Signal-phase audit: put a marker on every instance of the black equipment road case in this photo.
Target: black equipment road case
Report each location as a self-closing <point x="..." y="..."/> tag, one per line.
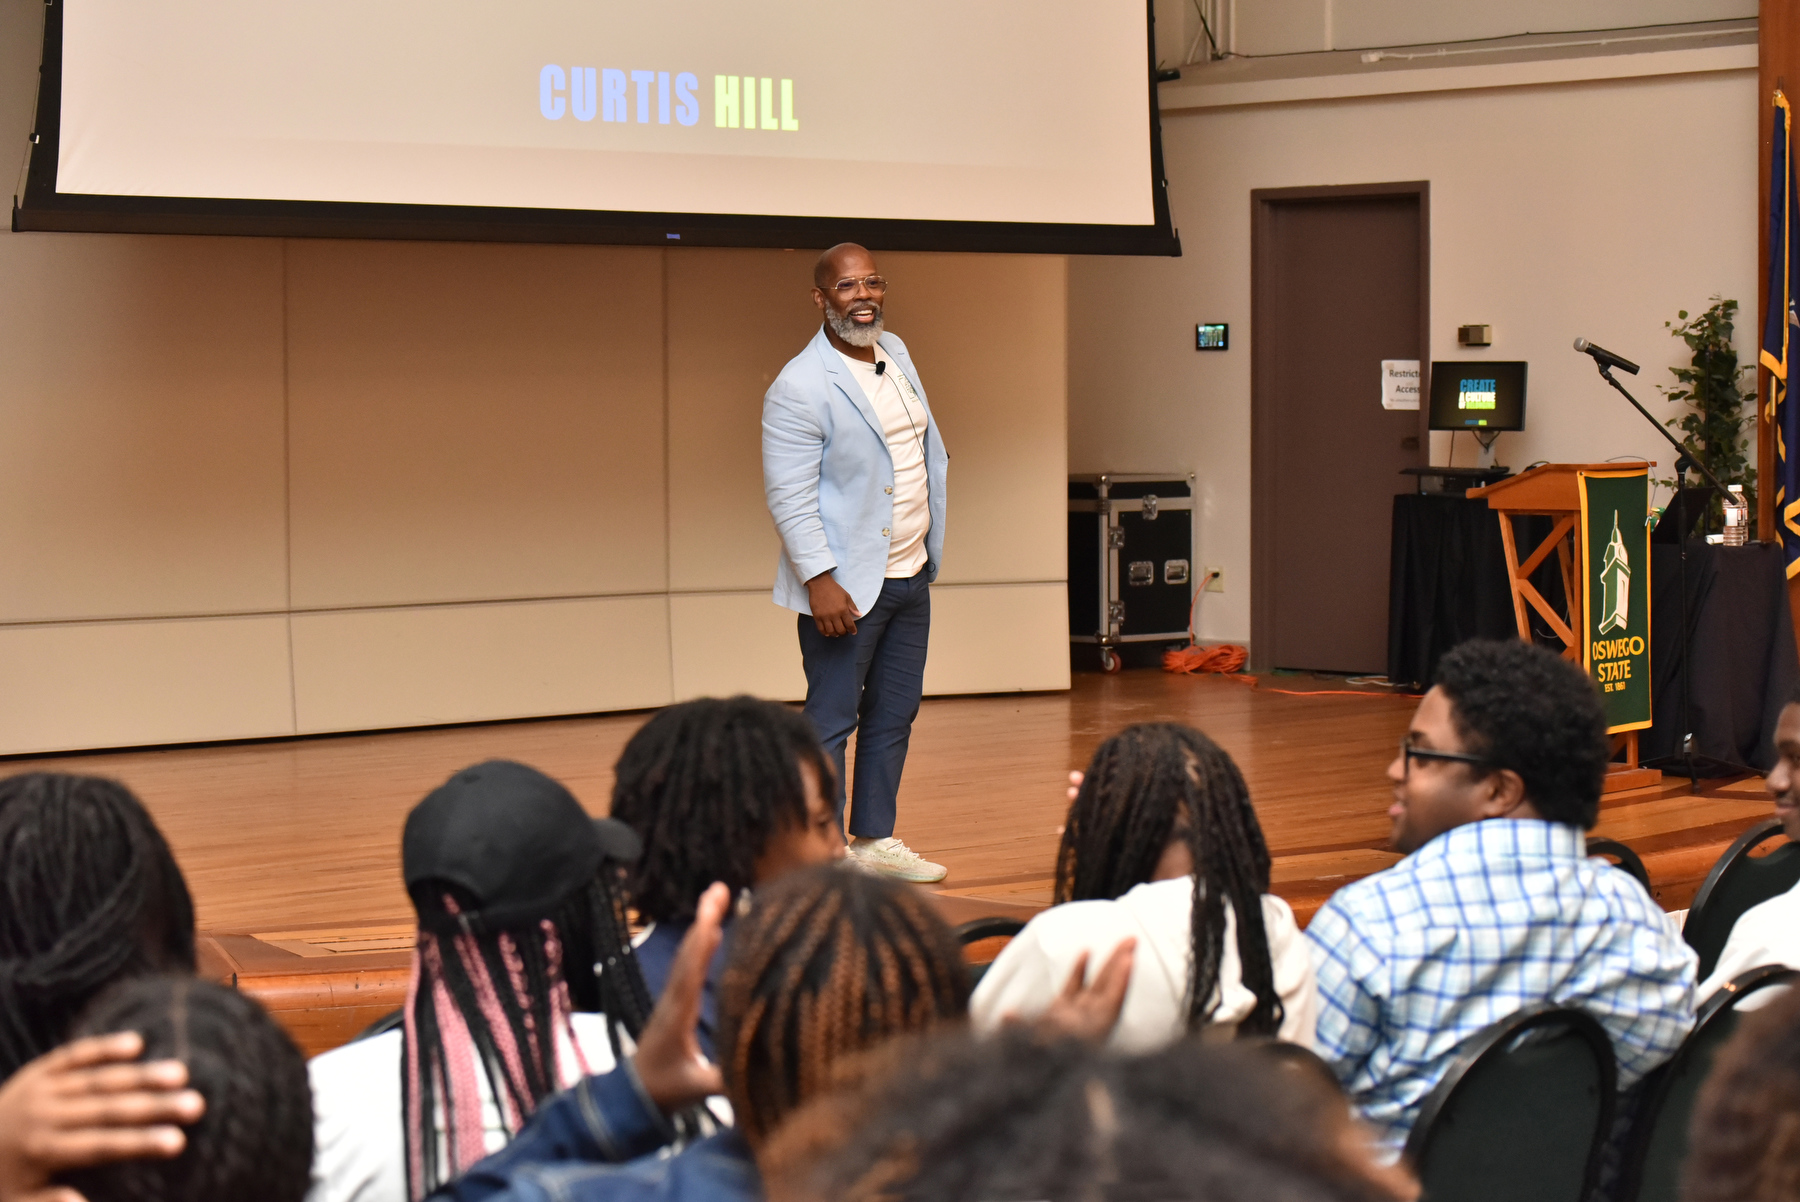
<point x="1131" y="541"/>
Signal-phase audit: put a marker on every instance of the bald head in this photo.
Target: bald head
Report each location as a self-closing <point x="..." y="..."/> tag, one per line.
<point x="831" y="265"/>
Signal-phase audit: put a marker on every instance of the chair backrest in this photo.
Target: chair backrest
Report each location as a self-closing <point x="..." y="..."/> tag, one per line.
<point x="381" y="1026"/>
<point x="978" y="929"/>
<point x="1656" y="1148"/>
<point x="1738" y="881"/>
<point x="1621" y="857"/>
<point x="1523" y="1112"/>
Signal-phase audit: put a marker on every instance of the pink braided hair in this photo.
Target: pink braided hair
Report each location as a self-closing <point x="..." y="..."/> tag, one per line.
<point x="465" y="1135"/>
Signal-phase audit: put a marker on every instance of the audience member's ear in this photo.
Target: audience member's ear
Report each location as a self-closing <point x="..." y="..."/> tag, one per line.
<point x="1502" y="794"/>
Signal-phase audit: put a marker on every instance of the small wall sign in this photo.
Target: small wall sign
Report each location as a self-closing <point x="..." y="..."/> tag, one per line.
<point x="1399" y="383"/>
<point x="1212" y="336"/>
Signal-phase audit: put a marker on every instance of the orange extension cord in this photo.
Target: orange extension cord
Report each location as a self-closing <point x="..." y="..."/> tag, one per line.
<point x="1228" y="660"/>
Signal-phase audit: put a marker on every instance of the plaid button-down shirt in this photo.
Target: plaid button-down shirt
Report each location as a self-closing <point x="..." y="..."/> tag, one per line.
<point x="1481" y="922"/>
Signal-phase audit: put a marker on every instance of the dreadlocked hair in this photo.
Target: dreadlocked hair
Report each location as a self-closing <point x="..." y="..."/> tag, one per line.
<point x="498" y="1002"/>
<point x="599" y="964"/>
<point x="89" y="894"/>
<point x="255" y="1139"/>
<point x="1147" y="786"/>
<point x="704" y="784"/>
<point x="828" y="963"/>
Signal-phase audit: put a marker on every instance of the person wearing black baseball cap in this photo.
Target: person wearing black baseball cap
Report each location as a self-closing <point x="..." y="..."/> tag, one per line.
<point x="522" y="936"/>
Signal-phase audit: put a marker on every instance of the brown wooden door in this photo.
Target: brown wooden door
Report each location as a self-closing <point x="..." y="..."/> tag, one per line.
<point x="1338" y="285"/>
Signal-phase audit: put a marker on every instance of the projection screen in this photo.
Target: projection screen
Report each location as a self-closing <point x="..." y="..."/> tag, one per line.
<point x="936" y="124"/>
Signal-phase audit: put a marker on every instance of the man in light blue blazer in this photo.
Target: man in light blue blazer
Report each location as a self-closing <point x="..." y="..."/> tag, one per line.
<point x="854" y="467"/>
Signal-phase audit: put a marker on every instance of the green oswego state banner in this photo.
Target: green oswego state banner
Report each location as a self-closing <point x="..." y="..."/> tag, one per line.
<point x="1615" y="593"/>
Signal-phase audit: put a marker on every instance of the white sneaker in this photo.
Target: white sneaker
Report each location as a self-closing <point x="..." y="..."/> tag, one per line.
<point x="890" y="857"/>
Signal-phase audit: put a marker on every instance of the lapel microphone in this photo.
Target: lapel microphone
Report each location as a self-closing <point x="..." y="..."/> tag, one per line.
<point x="880" y="366"/>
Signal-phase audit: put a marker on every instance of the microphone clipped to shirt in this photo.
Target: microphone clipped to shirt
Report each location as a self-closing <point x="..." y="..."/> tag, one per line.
<point x="1604" y="357"/>
<point x="881" y="366"/>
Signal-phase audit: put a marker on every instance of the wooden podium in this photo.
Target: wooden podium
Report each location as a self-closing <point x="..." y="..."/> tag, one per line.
<point x="1554" y="491"/>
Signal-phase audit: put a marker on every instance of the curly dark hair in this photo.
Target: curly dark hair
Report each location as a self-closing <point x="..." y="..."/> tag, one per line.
<point x="704" y="784"/>
<point x="961" y="1118"/>
<point x="89" y="894"/>
<point x="1146" y="786"/>
<point x="255" y="1139"/>
<point x="1744" y="1140"/>
<point x="829" y="963"/>
<point x="1521" y="707"/>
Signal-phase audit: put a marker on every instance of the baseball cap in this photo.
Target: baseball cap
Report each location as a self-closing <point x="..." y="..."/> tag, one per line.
<point x="511" y="837"/>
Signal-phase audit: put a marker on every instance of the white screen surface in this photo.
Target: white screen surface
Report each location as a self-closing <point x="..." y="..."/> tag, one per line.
<point x="938" y="110"/>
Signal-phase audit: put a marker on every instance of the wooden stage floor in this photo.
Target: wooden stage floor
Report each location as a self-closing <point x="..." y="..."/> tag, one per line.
<point x="274" y="835"/>
<point x="292" y="848"/>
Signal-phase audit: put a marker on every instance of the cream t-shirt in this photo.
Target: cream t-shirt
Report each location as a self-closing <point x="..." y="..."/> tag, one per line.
<point x="1766" y="933"/>
<point x="1030" y="971"/>
<point x="902" y="415"/>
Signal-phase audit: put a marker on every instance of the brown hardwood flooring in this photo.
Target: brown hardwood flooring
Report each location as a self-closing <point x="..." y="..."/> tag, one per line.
<point x="305" y="832"/>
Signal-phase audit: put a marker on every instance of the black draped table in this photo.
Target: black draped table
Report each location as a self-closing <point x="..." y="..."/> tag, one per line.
<point x="1447" y="583"/>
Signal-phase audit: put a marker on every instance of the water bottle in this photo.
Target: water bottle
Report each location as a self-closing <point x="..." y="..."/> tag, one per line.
<point x="1737" y="517"/>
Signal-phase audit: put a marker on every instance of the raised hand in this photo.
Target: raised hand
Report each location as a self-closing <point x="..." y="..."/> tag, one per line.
<point x="89" y="1102"/>
<point x="1090" y="1010"/>
<point x="675" y="1072"/>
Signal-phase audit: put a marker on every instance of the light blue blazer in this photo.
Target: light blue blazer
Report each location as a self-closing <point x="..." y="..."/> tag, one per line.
<point x="828" y="476"/>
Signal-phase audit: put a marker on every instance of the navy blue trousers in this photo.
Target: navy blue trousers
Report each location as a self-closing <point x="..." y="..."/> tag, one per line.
<point x="870" y="682"/>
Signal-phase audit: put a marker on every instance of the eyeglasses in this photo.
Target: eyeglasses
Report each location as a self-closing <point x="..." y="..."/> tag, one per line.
<point x="873" y="283"/>
<point x="1409" y="753"/>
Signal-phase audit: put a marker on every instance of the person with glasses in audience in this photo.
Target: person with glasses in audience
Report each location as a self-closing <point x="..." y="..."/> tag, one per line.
<point x="853" y="469"/>
<point x="1496" y="905"/>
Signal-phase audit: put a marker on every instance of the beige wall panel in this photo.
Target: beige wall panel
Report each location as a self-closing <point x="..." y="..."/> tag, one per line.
<point x="1003" y="417"/>
<point x="726" y="643"/>
<point x="120" y="684"/>
<point x="474" y="421"/>
<point x="366" y="669"/>
<point x="989" y="336"/>
<point x="998" y="638"/>
<point x="140" y="427"/>
<point x="735" y="318"/>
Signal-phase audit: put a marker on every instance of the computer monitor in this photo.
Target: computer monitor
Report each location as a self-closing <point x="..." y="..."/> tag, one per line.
<point x="1478" y="396"/>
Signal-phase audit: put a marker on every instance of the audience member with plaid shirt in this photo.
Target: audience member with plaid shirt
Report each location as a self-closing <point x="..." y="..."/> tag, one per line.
<point x="1496" y="906"/>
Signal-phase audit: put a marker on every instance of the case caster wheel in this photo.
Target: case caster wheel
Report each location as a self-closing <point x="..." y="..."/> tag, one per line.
<point x="1109" y="662"/>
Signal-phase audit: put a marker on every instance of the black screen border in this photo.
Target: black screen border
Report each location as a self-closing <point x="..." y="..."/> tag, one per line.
<point x="1456" y="365"/>
<point x="42" y="208"/>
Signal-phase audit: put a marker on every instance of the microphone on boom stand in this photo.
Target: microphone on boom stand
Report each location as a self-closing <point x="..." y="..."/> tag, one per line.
<point x="1604" y="357"/>
<point x="1685" y="460"/>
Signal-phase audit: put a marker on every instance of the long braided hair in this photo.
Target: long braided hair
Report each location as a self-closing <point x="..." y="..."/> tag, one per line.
<point x="829" y="962"/>
<point x="704" y="784"/>
<point x="1145" y="787"/>
<point x="499" y="1003"/>
<point x="89" y="894"/>
<point x="255" y="1139"/>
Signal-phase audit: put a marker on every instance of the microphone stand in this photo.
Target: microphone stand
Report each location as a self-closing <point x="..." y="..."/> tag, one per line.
<point x="1684" y="459"/>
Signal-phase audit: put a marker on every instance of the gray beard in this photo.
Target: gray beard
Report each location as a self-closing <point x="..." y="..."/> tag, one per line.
<point x="850" y="332"/>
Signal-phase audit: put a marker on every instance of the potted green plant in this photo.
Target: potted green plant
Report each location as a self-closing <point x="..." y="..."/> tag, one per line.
<point x="1721" y="413"/>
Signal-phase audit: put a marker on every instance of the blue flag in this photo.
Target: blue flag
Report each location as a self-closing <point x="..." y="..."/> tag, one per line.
<point x="1778" y="331"/>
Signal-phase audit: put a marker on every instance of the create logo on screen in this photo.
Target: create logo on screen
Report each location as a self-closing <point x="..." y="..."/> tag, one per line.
<point x="612" y="94"/>
<point x="1476" y="394"/>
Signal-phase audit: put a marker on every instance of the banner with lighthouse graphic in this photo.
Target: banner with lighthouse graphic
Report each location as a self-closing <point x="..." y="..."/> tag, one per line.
<point x="1615" y="593"/>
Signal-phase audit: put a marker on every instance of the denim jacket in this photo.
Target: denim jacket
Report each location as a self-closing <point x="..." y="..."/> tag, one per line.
<point x="598" y="1143"/>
